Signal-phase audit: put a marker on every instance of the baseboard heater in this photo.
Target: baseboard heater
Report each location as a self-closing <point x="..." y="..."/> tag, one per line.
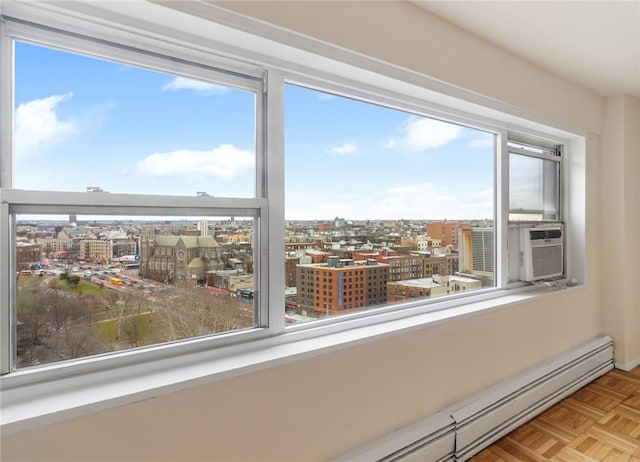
<point x="464" y="429"/>
<point x="432" y="439"/>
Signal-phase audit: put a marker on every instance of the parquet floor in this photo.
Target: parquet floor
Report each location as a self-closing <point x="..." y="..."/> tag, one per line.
<point x="600" y="422"/>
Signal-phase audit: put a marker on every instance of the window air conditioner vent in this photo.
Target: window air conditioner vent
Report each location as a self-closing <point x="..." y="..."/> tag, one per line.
<point x="542" y="253"/>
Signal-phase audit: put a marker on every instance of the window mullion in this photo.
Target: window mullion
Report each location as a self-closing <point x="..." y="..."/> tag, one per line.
<point x="6" y="108"/>
<point x="6" y="282"/>
<point x="6" y="180"/>
<point x="502" y="209"/>
<point x="88" y="202"/>
<point x="273" y="244"/>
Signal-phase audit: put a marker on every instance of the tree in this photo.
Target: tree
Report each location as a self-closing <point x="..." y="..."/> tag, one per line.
<point x="31" y="321"/>
<point x="189" y="311"/>
<point x="54" y="323"/>
<point x="122" y="305"/>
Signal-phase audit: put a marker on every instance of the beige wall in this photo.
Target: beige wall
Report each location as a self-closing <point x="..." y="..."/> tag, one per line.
<point x="318" y="408"/>
<point x="406" y="35"/>
<point x="620" y="170"/>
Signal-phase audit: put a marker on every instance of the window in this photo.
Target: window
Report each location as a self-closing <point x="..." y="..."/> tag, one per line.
<point x="134" y="202"/>
<point x="534" y="182"/>
<point x="390" y="177"/>
<point x="150" y="191"/>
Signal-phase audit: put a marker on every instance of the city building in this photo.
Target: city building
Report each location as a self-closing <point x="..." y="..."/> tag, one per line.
<point x="51" y="245"/>
<point x="122" y="247"/>
<point x="230" y="280"/>
<point x="96" y="249"/>
<point x="453" y="283"/>
<point x="292" y="260"/>
<point x="434" y="263"/>
<point x="446" y="232"/>
<point x="329" y="288"/>
<point x="173" y="258"/>
<point x="27" y="254"/>
<point x="476" y="253"/>
<point x="403" y="267"/>
<point x="401" y="291"/>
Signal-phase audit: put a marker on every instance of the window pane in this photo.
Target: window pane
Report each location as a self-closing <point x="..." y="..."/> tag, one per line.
<point x="533" y="188"/>
<point x="88" y="285"/>
<point x="87" y="124"/>
<point x="381" y="206"/>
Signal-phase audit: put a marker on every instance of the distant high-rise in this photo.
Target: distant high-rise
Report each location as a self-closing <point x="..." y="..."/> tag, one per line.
<point x="73" y="219"/>
<point x="203" y="227"/>
<point x="477" y="253"/>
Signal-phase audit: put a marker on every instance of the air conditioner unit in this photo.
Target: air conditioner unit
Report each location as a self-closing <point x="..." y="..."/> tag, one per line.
<point x="542" y="253"/>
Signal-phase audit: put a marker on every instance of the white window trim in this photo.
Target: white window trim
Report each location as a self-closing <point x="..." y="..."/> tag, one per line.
<point x="35" y="397"/>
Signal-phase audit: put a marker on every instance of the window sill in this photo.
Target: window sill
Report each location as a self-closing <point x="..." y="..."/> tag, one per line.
<point x="28" y="406"/>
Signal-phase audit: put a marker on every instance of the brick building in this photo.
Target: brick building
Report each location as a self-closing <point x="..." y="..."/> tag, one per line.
<point x="26" y="254"/>
<point x="339" y="285"/>
<point x="446" y="231"/>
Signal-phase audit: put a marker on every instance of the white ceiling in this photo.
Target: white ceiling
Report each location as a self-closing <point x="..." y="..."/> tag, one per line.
<point x="593" y="43"/>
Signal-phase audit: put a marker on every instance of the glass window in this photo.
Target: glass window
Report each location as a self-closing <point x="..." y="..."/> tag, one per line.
<point x="100" y="283"/>
<point x="366" y="183"/>
<point x="534" y="175"/>
<point x="108" y="253"/>
<point x="139" y="183"/>
<point x="96" y="125"/>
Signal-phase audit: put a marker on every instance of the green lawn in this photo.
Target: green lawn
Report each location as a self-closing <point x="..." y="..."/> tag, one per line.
<point x="108" y="328"/>
<point x="86" y="286"/>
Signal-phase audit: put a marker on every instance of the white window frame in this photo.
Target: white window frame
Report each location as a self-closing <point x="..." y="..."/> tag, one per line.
<point x="37" y="396"/>
<point x="551" y="154"/>
<point x="17" y="201"/>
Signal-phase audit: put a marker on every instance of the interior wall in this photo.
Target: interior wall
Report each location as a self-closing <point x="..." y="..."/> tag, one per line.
<point x="406" y="35"/>
<point x="632" y="150"/>
<point x="620" y="167"/>
<point x="318" y="408"/>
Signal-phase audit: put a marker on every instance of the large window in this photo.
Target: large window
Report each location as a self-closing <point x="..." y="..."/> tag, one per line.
<point x="382" y="206"/>
<point x="176" y="200"/>
<point x="133" y="203"/>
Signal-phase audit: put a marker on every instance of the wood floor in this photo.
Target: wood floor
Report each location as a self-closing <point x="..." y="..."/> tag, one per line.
<point x="600" y="422"/>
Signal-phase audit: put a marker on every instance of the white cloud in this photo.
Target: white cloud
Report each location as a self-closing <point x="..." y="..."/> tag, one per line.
<point x="346" y="148"/>
<point x="183" y="83"/>
<point x="481" y="143"/>
<point x="226" y="161"/>
<point x="36" y="122"/>
<point x="426" y="201"/>
<point x="421" y="134"/>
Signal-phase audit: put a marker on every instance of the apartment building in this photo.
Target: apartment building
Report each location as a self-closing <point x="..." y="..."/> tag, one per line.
<point x="96" y="249"/>
<point x="27" y="253"/>
<point x="341" y="285"/>
<point x="446" y="232"/>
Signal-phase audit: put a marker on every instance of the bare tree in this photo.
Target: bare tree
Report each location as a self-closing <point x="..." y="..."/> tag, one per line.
<point x="190" y="311"/>
<point x="119" y="304"/>
<point x="31" y="321"/>
<point x="55" y="323"/>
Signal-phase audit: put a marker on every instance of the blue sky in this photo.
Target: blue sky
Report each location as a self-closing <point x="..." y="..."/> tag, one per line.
<point x="85" y="122"/>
